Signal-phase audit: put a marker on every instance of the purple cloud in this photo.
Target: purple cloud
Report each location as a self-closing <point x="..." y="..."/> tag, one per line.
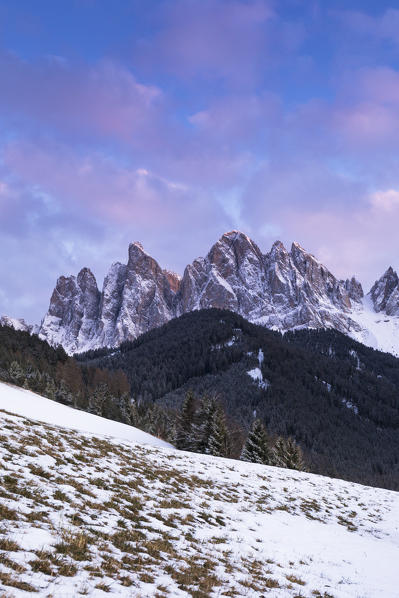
<point x="216" y="38"/>
<point x="103" y="101"/>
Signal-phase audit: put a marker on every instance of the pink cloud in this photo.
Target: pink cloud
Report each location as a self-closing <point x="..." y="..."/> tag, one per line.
<point x="94" y="185"/>
<point x="386" y="200"/>
<point x="366" y="113"/>
<point x="367" y="123"/>
<point x="379" y="84"/>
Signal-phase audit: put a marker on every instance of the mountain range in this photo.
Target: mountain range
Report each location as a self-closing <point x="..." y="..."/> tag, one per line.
<point x="282" y="290"/>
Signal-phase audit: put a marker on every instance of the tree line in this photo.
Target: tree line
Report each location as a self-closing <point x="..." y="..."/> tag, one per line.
<point x="201" y="427"/>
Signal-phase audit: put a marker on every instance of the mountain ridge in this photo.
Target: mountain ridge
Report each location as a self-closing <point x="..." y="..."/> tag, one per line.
<point x="282" y="290"/>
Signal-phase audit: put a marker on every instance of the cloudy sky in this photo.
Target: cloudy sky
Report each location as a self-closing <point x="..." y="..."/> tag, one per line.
<point x="173" y="121"/>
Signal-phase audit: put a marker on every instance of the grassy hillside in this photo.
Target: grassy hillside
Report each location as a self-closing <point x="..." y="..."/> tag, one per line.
<point x="87" y="515"/>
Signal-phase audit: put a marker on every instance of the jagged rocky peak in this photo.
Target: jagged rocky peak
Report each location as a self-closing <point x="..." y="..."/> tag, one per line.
<point x="73" y="312"/>
<point x="231" y="250"/>
<point x="354" y="289"/>
<point x="146" y="296"/>
<point x="142" y="264"/>
<point x="89" y="296"/>
<point x="136" y="252"/>
<point x="228" y="277"/>
<point x="278" y="251"/>
<point x="385" y="293"/>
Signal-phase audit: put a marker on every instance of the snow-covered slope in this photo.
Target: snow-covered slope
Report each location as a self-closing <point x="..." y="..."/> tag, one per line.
<point x="27" y="403"/>
<point x="84" y="515"/>
<point x="377" y="329"/>
<point x="281" y="289"/>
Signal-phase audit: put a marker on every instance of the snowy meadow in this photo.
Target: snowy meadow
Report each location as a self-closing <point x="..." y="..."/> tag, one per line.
<point x="84" y="513"/>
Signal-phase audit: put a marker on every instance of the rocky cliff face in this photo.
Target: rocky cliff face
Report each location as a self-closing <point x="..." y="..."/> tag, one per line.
<point x="385" y="293"/>
<point x="146" y="300"/>
<point x="71" y="320"/>
<point x="281" y="289"/>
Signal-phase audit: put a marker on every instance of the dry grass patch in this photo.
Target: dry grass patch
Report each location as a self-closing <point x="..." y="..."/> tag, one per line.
<point x="9" y="545"/>
<point x="74" y="545"/>
<point x="8" y="580"/>
<point x="7" y="513"/>
<point x="295" y="579"/>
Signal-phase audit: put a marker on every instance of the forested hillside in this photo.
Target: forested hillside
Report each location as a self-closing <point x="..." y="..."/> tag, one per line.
<point x="27" y="361"/>
<point x="336" y="397"/>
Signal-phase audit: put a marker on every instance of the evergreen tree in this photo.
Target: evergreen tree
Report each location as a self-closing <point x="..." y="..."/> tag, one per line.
<point x="49" y="389"/>
<point x="288" y="454"/>
<point x="97" y="399"/>
<point x="134" y="414"/>
<point x="124" y="405"/>
<point x="256" y="448"/>
<point x="16" y="373"/>
<point x="63" y="394"/>
<point x="218" y="438"/>
<point x="202" y="426"/>
<point x="184" y="426"/>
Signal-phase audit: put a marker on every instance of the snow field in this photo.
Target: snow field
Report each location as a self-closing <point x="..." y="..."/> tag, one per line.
<point x="87" y="515"/>
<point x="27" y="403"/>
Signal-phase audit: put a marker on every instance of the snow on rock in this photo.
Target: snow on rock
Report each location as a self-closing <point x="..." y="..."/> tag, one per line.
<point x="354" y="354"/>
<point x="18" y="324"/>
<point x="257" y="376"/>
<point x="85" y="515"/>
<point x="350" y="405"/>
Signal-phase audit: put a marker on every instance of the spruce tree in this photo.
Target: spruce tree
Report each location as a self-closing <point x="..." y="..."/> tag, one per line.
<point x="184" y="426"/>
<point x="288" y="454"/>
<point x="218" y="439"/>
<point x="256" y="448"/>
<point x="16" y="373"/>
<point x="202" y="426"/>
<point x="97" y="399"/>
<point x="50" y="388"/>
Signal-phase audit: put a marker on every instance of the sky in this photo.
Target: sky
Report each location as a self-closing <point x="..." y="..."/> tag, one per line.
<point x="171" y="122"/>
